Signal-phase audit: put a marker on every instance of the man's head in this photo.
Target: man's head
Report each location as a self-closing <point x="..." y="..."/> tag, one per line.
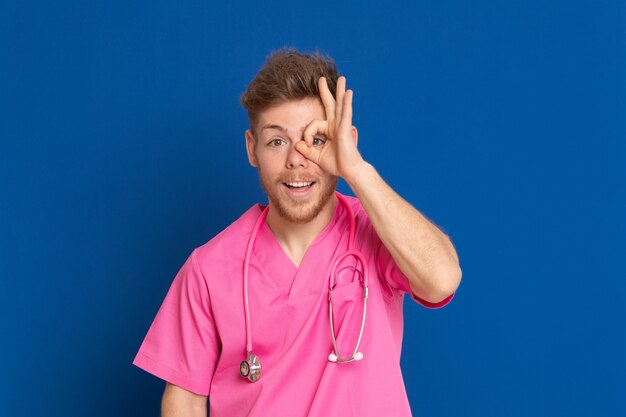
<point x="288" y="75"/>
<point x="281" y="101"/>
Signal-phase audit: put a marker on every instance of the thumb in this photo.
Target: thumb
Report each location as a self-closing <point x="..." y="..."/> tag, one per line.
<point x="309" y="152"/>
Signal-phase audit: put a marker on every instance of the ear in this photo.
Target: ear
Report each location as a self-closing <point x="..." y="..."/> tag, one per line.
<point x="355" y="135"/>
<point x="250" y="147"/>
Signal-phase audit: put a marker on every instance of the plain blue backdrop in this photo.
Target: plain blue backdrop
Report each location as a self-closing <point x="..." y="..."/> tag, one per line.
<point x="122" y="149"/>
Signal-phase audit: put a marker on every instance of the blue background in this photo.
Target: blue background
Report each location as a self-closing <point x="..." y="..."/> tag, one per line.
<point x="122" y="149"/>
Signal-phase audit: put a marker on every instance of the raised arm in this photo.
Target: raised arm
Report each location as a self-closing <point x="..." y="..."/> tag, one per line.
<point x="422" y="252"/>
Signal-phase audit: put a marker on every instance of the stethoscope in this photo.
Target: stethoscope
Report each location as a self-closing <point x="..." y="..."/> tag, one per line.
<point x="251" y="367"/>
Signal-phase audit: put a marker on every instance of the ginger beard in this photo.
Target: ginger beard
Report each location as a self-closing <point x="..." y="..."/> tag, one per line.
<point x="298" y="211"/>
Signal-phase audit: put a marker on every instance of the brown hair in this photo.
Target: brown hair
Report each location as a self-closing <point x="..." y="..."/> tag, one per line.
<point x="288" y="75"/>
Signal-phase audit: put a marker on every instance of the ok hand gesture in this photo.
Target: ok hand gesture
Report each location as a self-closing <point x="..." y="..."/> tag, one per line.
<point x="332" y="143"/>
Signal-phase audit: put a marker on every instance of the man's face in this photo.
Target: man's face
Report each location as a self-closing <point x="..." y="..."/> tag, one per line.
<point x="296" y="187"/>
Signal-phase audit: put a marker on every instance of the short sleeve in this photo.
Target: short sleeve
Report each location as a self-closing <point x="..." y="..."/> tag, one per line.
<point x="398" y="281"/>
<point x="182" y="345"/>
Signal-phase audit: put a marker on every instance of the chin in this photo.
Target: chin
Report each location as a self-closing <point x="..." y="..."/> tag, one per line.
<point x="298" y="212"/>
<point x="302" y="211"/>
<point x="298" y="215"/>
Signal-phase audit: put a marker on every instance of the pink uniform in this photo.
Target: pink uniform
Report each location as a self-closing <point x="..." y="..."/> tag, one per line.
<point x="198" y="337"/>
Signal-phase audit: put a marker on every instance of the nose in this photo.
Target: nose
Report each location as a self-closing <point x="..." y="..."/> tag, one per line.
<point x="295" y="159"/>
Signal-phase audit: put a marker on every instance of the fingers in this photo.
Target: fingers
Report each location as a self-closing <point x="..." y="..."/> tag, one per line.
<point x="346" y="117"/>
<point x="341" y="90"/>
<point x="309" y="152"/>
<point x="338" y="112"/>
<point x="314" y="129"/>
<point x="327" y="98"/>
<point x="332" y="106"/>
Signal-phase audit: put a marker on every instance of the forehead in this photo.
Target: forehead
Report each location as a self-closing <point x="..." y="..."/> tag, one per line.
<point x="292" y="116"/>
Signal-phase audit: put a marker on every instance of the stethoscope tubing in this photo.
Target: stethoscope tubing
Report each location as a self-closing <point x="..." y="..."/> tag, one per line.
<point x="246" y="269"/>
<point x="252" y="360"/>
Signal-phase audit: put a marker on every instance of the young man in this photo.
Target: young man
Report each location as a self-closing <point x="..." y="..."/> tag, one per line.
<point x="261" y="289"/>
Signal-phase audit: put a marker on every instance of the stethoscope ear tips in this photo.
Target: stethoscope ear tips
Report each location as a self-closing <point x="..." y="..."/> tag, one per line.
<point x="332" y="357"/>
<point x="358" y="356"/>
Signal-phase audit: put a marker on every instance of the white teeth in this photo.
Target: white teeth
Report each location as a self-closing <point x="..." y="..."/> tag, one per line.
<point x="298" y="184"/>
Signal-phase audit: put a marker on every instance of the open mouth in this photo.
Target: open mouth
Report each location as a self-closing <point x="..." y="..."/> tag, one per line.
<point x="298" y="184"/>
<point x="298" y="187"/>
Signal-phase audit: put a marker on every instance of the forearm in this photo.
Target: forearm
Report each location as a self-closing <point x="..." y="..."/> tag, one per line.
<point x="422" y="252"/>
<point x="178" y="402"/>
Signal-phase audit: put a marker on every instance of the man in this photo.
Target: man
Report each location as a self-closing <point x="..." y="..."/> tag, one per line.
<point x="301" y="139"/>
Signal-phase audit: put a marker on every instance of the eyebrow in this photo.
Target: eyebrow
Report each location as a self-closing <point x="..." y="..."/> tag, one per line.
<point x="277" y="127"/>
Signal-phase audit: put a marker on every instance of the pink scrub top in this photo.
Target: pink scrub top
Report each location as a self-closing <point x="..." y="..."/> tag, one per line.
<point x="198" y="338"/>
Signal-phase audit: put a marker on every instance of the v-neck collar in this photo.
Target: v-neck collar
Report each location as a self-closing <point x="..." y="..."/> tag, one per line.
<point x="279" y="266"/>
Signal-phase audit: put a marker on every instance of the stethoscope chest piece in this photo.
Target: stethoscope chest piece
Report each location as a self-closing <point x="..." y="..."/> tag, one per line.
<point x="250" y="368"/>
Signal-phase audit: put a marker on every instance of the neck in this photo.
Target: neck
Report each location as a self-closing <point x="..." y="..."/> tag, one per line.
<point x="295" y="238"/>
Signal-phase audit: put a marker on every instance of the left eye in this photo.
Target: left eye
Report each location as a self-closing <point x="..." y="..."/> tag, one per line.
<point x="318" y="141"/>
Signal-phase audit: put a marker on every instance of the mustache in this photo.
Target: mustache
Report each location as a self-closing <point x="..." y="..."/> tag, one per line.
<point x="292" y="178"/>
